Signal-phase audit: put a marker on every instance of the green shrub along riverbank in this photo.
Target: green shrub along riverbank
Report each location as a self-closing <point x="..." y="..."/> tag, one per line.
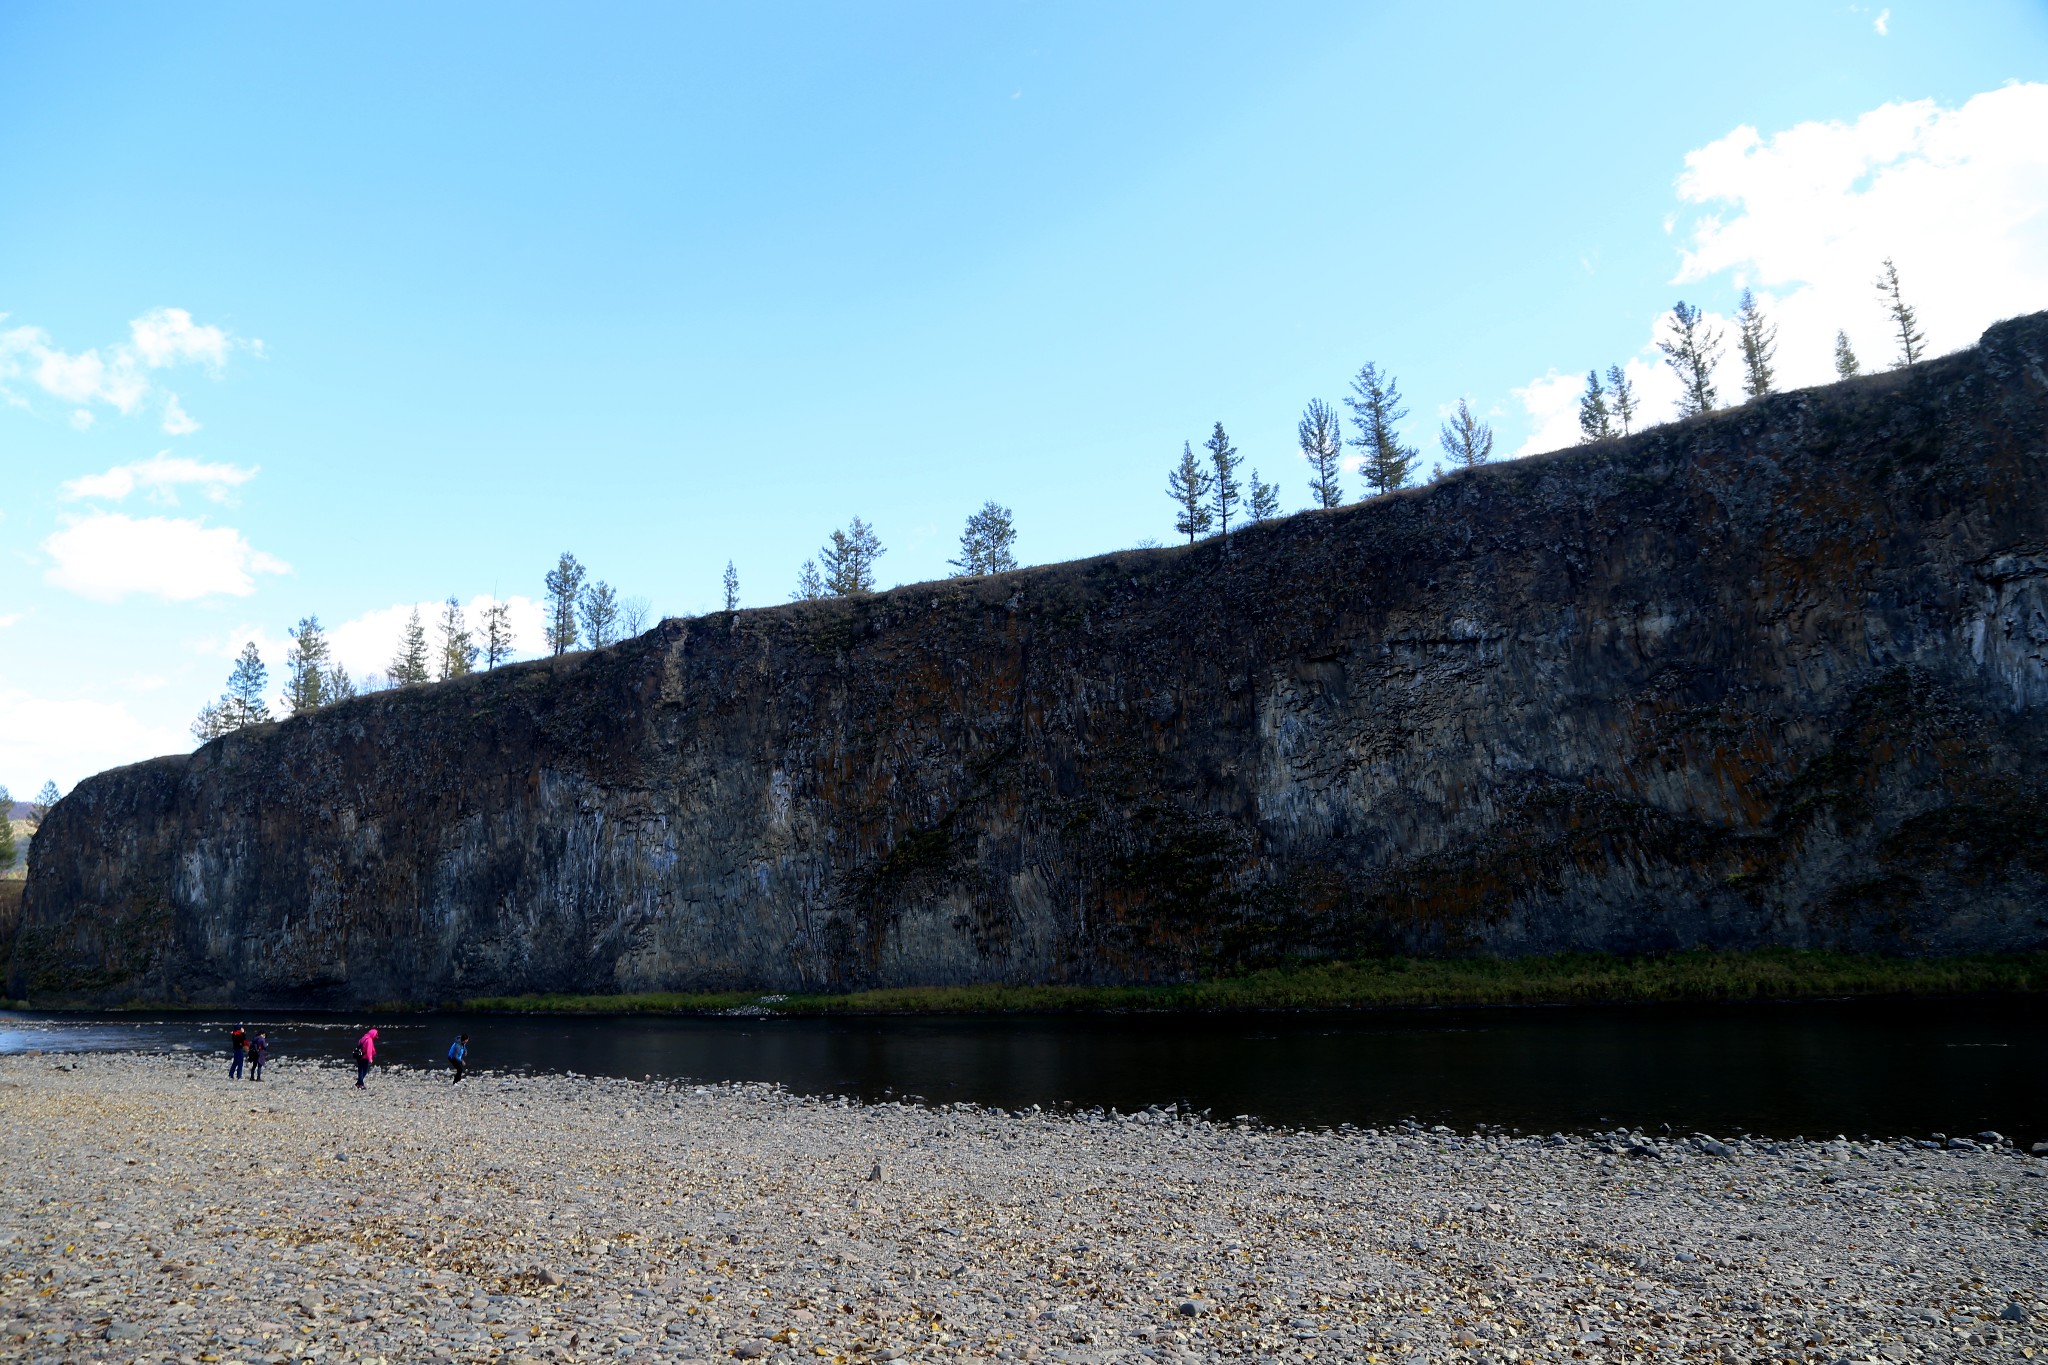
<point x="1570" y="979"/>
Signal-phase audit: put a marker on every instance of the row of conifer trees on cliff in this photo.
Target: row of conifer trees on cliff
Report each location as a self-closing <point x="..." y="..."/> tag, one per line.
<point x="1207" y="491"/>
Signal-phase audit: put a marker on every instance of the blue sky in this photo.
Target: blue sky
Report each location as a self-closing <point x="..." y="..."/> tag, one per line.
<point x="467" y="285"/>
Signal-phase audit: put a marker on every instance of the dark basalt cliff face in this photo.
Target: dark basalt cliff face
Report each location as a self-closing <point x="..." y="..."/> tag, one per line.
<point x="1774" y="676"/>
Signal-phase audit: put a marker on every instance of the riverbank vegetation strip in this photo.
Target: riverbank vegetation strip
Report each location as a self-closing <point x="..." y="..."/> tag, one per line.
<point x="1567" y="979"/>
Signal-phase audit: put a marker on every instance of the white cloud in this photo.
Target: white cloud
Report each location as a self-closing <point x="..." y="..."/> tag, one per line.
<point x="67" y="739"/>
<point x="1552" y="405"/>
<point x="1957" y="197"/>
<point x="1883" y="22"/>
<point x="107" y="555"/>
<point x="81" y="420"/>
<point x="176" y="422"/>
<point x="82" y="378"/>
<point x="160" y="476"/>
<point x="166" y="336"/>
<point x="13" y="618"/>
<point x="118" y="376"/>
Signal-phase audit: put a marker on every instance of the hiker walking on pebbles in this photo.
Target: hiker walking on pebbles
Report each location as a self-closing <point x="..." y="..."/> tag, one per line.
<point x="259" y="1052"/>
<point x="366" y="1055"/>
<point x="238" y="1041"/>
<point x="458" y="1057"/>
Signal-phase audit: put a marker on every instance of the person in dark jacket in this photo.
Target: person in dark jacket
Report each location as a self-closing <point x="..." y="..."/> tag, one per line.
<point x="259" y="1052"/>
<point x="458" y="1057"/>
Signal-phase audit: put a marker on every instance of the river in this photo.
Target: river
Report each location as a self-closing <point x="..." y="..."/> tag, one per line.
<point x="1885" y="1068"/>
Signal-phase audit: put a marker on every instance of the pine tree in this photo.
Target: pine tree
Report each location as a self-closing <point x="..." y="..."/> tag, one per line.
<point x="1189" y="486"/>
<point x="1467" y="440"/>
<point x="1759" y="342"/>
<point x="1226" y="489"/>
<point x="848" y="559"/>
<point x="732" y="587"/>
<point x="305" y="687"/>
<point x="45" y="802"/>
<point x="340" y="686"/>
<point x="1321" y="434"/>
<point x="242" y="704"/>
<point x="1846" y="364"/>
<point x="210" y="724"/>
<point x="598" y="610"/>
<point x="1692" y="352"/>
<point x="1375" y="403"/>
<point x="985" y="544"/>
<point x="1595" y="423"/>
<point x="1912" y="345"/>
<point x="9" y="850"/>
<point x="458" y="650"/>
<point x="809" y="586"/>
<point x="497" y="625"/>
<point x="409" y="665"/>
<point x="1262" y="500"/>
<point x="565" y="587"/>
<point x="1621" y="397"/>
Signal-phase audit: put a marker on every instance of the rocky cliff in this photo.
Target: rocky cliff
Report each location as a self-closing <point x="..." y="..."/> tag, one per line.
<point x="1778" y="675"/>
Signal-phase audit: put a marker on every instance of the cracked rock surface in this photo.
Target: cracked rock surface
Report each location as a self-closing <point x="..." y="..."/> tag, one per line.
<point x="154" y="1210"/>
<point x="1775" y="676"/>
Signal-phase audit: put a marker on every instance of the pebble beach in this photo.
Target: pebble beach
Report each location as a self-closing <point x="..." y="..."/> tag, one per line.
<point x="154" y="1210"/>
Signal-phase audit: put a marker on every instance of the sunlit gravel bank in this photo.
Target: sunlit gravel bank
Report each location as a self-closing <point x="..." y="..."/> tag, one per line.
<point x="153" y="1210"/>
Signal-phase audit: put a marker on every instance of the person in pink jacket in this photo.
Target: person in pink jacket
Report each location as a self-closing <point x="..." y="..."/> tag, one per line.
<point x="366" y="1054"/>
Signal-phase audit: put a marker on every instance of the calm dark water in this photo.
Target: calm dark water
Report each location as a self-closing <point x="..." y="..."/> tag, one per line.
<point x="1884" y="1068"/>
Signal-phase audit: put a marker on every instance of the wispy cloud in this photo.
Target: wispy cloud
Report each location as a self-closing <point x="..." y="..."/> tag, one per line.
<point x="1883" y="23"/>
<point x="116" y="376"/>
<point x="168" y="336"/>
<point x="159" y="476"/>
<point x="176" y="420"/>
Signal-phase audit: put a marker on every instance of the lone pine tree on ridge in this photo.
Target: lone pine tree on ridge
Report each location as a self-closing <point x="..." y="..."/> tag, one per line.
<point x="1188" y="485"/>
<point x="1321" y="434"/>
<point x="1758" y="340"/>
<point x="1692" y="350"/>
<point x="1596" y="423"/>
<point x="564" y="588"/>
<point x="1224" y="485"/>
<point x="1465" y="439"/>
<point x="985" y="544"/>
<point x="1375" y="403"/>
<point x="1912" y="345"/>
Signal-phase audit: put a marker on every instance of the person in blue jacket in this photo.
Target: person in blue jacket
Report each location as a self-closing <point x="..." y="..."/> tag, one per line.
<point x="458" y="1057"/>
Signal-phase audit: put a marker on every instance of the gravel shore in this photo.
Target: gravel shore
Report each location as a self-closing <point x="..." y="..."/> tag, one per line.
<point x="153" y="1210"/>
